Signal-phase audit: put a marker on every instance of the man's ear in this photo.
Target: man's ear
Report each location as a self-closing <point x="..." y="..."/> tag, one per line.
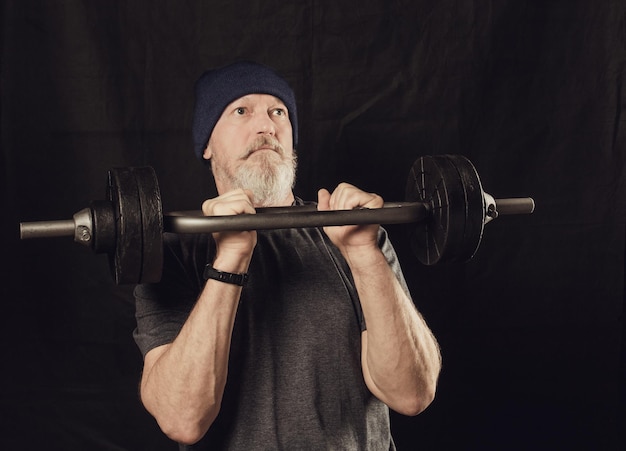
<point x="207" y="152"/>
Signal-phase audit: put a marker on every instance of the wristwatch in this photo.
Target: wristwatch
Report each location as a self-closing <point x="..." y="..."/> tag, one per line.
<point x="227" y="277"/>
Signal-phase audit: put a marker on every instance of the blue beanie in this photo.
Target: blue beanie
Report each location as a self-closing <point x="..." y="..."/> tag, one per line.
<point x="216" y="89"/>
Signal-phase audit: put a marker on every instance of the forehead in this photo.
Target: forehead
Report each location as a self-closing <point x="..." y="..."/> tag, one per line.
<point x="258" y="99"/>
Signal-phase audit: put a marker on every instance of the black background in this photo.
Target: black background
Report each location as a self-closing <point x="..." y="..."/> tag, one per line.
<point x="531" y="329"/>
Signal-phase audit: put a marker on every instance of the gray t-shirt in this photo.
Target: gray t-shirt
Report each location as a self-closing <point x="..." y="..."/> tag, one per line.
<point x="295" y="379"/>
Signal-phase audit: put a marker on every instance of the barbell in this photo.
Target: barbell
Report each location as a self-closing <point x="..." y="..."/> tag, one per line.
<point x="444" y="200"/>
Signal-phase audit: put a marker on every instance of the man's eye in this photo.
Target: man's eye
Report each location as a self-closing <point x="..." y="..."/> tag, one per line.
<point x="240" y="111"/>
<point x="279" y="112"/>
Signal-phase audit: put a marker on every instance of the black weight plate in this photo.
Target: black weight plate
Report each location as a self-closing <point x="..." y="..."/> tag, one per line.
<point x="474" y="205"/>
<point x="435" y="181"/>
<point x="151" y="224"/>
<point x="104" y="229"/>
<point x="126" y="259"/>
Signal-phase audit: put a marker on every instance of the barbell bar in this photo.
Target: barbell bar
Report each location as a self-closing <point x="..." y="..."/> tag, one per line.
<point x="444" y="201"/>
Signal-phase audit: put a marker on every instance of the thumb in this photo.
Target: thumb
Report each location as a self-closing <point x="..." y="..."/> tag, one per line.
<point x="323" y="200"/>
<point x="250" y="195"/>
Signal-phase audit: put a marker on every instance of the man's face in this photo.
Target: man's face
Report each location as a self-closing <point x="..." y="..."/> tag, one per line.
<point x="251" y="147"/>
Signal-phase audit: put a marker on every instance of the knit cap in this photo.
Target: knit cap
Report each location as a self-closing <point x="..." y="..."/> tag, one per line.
<point x="217" y="88"/>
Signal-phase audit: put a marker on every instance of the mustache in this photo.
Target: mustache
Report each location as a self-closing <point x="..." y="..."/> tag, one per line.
<point x="263" y="142"/>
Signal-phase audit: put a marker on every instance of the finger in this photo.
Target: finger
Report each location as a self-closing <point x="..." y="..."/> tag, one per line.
<point x="230" y="203"/>
<point x="339" y="196"/>
<point x="348" y="196"/>
<point x="373" y="201"/>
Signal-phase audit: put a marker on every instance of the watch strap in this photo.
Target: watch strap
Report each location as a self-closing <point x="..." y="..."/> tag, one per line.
<point x="227" y="277"/>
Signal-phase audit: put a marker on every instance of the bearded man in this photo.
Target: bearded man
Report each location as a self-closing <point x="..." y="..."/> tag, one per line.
<point x="283" y="339"/>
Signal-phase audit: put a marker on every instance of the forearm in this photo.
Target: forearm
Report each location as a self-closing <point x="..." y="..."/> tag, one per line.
<point x="401" y="360"/>
<point x="183" y="382"/>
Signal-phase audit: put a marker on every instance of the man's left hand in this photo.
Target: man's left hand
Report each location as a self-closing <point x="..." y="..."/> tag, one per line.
<point x="348" y="197"/>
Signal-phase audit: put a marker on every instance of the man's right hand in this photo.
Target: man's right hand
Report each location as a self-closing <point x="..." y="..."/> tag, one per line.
<point x="234" y="202"/>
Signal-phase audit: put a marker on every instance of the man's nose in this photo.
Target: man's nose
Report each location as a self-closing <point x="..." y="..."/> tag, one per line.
<point x="266" y="125"/>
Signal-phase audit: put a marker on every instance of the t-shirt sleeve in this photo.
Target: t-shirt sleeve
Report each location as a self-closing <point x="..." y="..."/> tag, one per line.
<point x="392" y="259"/>
<point x="162" y="308"/>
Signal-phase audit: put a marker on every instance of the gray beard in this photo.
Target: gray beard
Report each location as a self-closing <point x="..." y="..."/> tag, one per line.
<point x="271" y="181"/>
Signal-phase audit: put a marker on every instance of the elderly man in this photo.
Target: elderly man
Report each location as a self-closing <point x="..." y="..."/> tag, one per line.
<point x="284" y="339"/>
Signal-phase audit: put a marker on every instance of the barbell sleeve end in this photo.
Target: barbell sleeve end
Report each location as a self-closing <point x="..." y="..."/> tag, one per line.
<point x="46" y="229"/>
<point x="515" y="206"/>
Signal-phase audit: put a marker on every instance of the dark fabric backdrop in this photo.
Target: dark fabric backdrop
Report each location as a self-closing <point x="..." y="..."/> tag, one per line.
<point x="531" y="91"/>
